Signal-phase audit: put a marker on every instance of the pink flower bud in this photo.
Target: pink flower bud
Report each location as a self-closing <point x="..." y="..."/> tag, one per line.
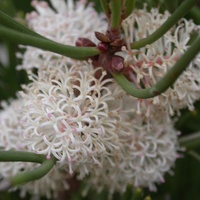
<point x="117" y="64"/>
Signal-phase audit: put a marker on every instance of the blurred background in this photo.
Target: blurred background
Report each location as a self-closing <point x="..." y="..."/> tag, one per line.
<point x="183" y="185"/>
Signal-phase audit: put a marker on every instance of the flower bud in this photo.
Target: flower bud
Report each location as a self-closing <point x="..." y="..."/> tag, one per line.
<point x="117" y="64"/>
<point x="84" y="42"/>
<point x="103" y="46"/>
<point x="102" y="37"/>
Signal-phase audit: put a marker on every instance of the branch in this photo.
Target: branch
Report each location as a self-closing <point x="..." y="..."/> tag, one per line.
<point x="11" y="23"/>
<point x="130" y="5"/>
<point x="24" y="177"/>
<point x="35" y="174"/>
<point x="105" y="6"/>
<point x="115" y="7"/>
<point x="46" y="44"/>
<point x="194" y="155"/>
<point x="15" y="156"/>
<point x="167" y="81"/>
<point x="172" y="20"/>
<point x="190" y="141"/>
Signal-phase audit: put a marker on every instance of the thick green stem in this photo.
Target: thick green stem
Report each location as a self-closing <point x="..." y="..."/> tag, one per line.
<point x="116" y="9"/>
<point x="172" y="20"/>
<point x="168" y="80"/>
<point x="130" y="5"/>
<point x="35" y="174"/>
<point x="105" y="6"/>
<point x="24" y="177"/>
<point x="11" y="23"/>
<point x="11" y="72"/>
<point x="15" y="156"/>
<point x="70" y="51"/>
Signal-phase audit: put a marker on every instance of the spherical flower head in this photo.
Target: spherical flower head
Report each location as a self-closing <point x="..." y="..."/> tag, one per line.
<point x="148" y="148"/>
<point x="150" y="63"/>
<point x="63" y="22"/>
<point x="147" y="152"/>
<point x="11" y="138"/>
<point x="67" y="114"/>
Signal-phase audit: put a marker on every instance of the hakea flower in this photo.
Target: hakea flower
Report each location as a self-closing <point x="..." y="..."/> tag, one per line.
<point x="67" y="115"/>
<point x="150" y="63"/>
<point x="148" y="149"/>
<point x="11" y="138"/>
<point x="64" y="23"/>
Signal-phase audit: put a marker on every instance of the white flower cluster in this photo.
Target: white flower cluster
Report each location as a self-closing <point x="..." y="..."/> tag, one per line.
<point x="11" y="138"/>
<point x="145" y="155"/>
<point x="83" y="118"/>
<point x="152" y="62"/>
<point x="67" y="115"/>
<point x="148" y="149"/>
<point x="91" y="126"/>
<point x="64" y="23"/>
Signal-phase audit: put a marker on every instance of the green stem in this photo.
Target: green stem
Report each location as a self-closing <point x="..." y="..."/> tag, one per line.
<point x="168" y="80"/>
<point x="11" y="53"/>
<point x="194" y="155"/>
<point x="70" y="51"/>
<point x="12" y="67"/>
<point x="194" y="13"/>
<point x="115" y="7"/>
<point x="172" y="20"/>
<point x="24" y="177"/>
<point x="105" y="6"/>
<point x="11" y="23"/>
<point x="35" y="174"/>
<point x="190" y="141"/>
<point x="7" y="156"/>
<point x="130" y="5"/>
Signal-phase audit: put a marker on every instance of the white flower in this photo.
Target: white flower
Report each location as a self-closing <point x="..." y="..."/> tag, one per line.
<point x="148" y="153"/>
<point x="148" y="149"/>
<point x="81" y="117"/>
<point x="11" y="138"/>
<point x="67" y="115"/>
<point x="151" y="63"/>
<point x="64" y="23"/>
